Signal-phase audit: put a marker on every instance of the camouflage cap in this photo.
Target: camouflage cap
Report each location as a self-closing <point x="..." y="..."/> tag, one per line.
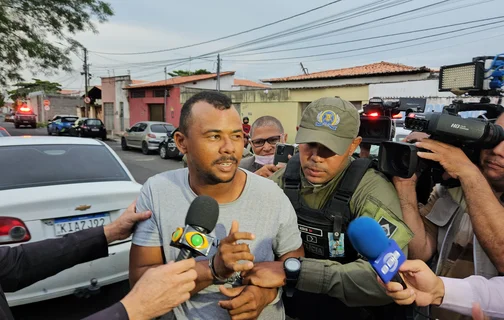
<point x="332" y="122"/>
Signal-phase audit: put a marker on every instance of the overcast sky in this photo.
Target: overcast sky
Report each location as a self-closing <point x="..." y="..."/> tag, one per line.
<point x="150" y="25"/>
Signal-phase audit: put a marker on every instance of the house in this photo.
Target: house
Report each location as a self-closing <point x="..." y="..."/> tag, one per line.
<point x="95" y="103"/>
<point x="244" y="84"/>
<point x="287" y="97"/>
<point x="147" y="100"/>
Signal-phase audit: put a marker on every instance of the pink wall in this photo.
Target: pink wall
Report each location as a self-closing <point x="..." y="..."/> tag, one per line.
<point x="108" y="90"/>
<point x="139" y="107"/>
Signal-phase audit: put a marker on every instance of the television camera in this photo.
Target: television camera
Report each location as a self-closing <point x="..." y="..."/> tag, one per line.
<point x="376" y="120"/>
<point x="481" y="77"/>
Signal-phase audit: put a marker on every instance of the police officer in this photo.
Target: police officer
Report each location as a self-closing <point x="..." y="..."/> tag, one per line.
<point x="328" y="188"/>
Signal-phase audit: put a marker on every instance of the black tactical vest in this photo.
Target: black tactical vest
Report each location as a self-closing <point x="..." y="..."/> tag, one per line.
<point x="324" y="231"/>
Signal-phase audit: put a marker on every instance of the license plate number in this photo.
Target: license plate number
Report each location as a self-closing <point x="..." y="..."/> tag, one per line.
<point x="64" y="226"/>
<point x="94" y="129"/>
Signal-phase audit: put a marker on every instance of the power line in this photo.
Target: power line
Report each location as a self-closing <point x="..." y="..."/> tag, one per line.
<point x="369" y="38"/>
<point x="225" y="37"/>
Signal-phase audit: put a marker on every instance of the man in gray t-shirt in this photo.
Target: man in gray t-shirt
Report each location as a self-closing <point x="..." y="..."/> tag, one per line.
<point x="259" y="206"/>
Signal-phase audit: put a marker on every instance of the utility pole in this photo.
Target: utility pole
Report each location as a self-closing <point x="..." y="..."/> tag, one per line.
<point x="165" y="94"/>
<point x="86" y="79"/>
<point x="218" y="72"/>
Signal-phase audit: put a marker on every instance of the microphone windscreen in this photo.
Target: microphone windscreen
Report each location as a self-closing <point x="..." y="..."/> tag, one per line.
<point x="203" y="212"/>
<point x="367" y="237"/>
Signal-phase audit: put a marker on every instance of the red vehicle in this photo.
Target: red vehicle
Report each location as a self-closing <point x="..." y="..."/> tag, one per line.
<point x="25" y="117"/>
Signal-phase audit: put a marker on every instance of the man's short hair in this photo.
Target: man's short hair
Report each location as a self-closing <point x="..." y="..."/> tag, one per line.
<point x="266" y="121"/>
<point x="218" y="100"/>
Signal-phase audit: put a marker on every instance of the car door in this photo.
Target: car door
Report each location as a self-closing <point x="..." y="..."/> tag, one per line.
<point x="141" y="132"/>
<point x="130" y="136"/>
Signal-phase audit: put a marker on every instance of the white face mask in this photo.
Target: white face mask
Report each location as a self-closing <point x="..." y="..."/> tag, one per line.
<point x="263" y="160"/>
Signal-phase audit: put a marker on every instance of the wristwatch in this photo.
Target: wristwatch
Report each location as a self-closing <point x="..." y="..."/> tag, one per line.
<point x="292" y="268"/>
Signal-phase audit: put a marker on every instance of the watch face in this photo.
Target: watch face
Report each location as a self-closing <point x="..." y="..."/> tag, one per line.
<point x="292" y="264"/>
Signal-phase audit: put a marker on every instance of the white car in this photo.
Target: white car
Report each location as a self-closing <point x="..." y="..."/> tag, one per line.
<point x="52" y="186"/>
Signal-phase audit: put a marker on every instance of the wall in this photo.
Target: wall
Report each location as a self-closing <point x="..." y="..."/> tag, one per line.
<point x="139" y="107"/>
<point x="357" y="93"/>
<point x="226" y="83"/>
<point x="412" y="89"/>
<point x="59" y="105"/>
<point x="121" y="95"/>
<point x="347" y="81"/>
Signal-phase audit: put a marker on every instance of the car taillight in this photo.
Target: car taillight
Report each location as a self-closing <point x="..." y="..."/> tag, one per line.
<point x="13" y="230"/>
<point x="150" y="135"/>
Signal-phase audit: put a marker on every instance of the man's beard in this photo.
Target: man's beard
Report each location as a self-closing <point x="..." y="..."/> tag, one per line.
<point x="209" y="178"/>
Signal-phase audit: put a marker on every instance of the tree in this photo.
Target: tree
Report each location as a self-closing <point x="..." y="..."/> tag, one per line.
<point x="2" y="100"/>
<point x="24" y="88"/>
<point x="27" y="25"/>
<point x="185" y="73"/>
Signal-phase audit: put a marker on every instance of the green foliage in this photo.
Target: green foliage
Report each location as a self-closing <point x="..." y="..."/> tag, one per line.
<point x="185" y="73"/>
<point x="2" y="100"/>
<point x="24" y="88"/>
<point x="27" y="27"/>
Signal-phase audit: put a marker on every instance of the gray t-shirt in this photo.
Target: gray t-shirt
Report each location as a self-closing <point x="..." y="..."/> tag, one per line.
<point x="262" y="209"/>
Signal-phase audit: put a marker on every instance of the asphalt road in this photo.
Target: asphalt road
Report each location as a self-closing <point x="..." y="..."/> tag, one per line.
<point x="70" y="307"/>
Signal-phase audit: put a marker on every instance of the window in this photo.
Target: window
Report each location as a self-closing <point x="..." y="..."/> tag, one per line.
<point x="57" y="164"/>
<point x="142" y="127"/>
<point x="159" y="93"/>
<point x="94" y="122"/>
<point x="69" y="119"/>
<point x="162" y="128"/>
<point x="138" y="94"/>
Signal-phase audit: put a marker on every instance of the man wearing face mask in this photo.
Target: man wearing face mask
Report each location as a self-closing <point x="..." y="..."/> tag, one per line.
<point x="265" y="133"/>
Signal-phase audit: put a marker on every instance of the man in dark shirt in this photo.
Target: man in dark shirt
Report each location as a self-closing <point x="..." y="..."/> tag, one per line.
<point x="156" y="293"/>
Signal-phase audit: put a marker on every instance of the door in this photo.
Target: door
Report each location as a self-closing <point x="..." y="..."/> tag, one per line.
<point x="156" y="112"/>
<point x="121" y="115"/>
<point x="109" y="115"/>
<point x="131" y="136"/>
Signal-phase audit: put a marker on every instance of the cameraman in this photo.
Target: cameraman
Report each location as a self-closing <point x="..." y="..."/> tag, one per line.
<point x="463" y="224"/>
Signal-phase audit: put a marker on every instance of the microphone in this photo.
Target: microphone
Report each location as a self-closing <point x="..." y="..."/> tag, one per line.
<point x="369" y="239"/>
<point x="193" y="240"/>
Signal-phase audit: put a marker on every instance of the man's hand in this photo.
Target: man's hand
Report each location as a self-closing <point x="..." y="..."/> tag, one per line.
<point x="424" y="287"/>
<point x="230" y="252"/>
<point x="122" y="227"/>
<point x="266" y="275"/>
<point x="160" y="290"/>
<point x="453" y="160"/>
<point x="267" y="170"/>
<point x="247" y="302"/>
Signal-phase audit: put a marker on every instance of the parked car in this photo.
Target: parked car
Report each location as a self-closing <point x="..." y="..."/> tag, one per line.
<point x="25" y="117"/>
<point x="91" y="127"/>
<point x="146" y="135"/>
<point x="56" y="186"/>
<point x="9" y="117"/>
<point x="168" y="149"/>
<point x="60" y="124"/>
<point x="4" y="132"/>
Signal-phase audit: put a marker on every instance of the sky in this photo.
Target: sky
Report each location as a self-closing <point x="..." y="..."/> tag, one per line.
<point x="342" y="37"/>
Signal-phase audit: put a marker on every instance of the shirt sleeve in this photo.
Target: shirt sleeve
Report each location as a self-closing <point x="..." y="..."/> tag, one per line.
<point x="277" y="177"/>
<point x="146" y="232"/>
<point x="114" y="312"/>
<point x="460" y="294"/>
<point x="288" y="237"/>
<point x="353" y="283"/>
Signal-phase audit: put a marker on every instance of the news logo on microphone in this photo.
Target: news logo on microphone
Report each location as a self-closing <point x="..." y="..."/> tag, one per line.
<point x="199" y="243"/>
<point x="370" y="240"/>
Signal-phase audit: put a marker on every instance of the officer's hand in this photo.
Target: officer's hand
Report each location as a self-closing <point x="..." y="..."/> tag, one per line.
<point x="424" y="287"/>
<point x="267" y="170"/>
<point x="122" y="227"/>
<point x="230" y="252"/>
<point x="453" y="159"/>
<point x="161" y="289"/>
<point x="266" y="274"/>
<point x="247" y="302"/>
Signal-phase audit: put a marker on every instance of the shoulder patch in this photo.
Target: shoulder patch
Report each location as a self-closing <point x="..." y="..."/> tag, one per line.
<point x="387" y="226"/>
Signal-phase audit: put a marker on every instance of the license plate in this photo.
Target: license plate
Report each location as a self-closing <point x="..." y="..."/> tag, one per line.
<point x="95" y="129"/>
<point x="64" y="226"/>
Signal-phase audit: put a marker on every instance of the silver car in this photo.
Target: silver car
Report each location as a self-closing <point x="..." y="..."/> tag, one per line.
<point x="146" y="135"/>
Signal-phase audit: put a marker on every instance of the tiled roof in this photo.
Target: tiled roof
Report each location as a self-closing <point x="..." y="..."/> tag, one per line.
<point x="179" y="80"/>
<point x="69" y="92"/>
<point x="138" y="81"/>
<point x="379" y="68"/>
<point x="248" y="83"/>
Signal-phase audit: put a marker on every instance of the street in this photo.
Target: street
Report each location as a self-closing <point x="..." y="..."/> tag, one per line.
<point x="70" y="307"/>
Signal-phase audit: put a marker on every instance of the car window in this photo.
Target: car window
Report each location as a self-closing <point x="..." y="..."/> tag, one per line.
<point x="3" y="133"/>
<point x="57" y="164"/>
<point x="93" y="122"/>
<point x="69" y="119"/>
<point x="57" y="121"/>
<point x="134" y="128"/>
<point x="142" y="127"/>
<point x="162" y="128"/>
